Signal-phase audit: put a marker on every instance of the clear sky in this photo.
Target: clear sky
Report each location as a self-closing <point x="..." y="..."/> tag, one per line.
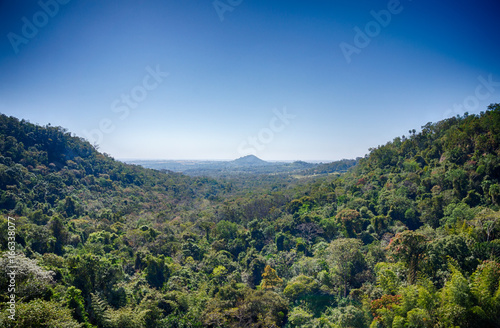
<point x="282" y="79"/>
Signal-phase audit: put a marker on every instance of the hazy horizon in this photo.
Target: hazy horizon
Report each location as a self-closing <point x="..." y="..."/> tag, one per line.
<point x="223" y="160"/>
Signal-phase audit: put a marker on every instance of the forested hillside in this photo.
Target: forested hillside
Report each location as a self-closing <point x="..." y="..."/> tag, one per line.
<point x="409" y="237"/>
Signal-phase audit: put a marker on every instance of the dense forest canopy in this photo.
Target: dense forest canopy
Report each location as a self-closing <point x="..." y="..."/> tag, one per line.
<point x="408" y="237"/>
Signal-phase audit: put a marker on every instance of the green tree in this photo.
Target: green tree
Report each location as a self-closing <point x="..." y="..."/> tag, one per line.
<point x="485" y="287"/>
<point x="60" y="233"/>
<point x="456" y="300"/>
<point x="487" y="224"/>
<point x="157" y="271"/>
<point x="351" y="222"/>
<point x="75" y="301"/>
<point x="440" y="250"/>
<point x="345" y="260"/>
<point x="409" y="247"/>
<point x="390" y="276"/>
<point x="301" y="287"/>
<point x="494" y="193"/>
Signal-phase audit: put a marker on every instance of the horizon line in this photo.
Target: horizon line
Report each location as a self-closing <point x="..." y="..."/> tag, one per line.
<point x="229" y="160"/>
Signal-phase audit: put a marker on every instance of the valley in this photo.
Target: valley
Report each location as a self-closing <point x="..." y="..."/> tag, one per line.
<point x="406" y="236"/>
<point x="249" y="164"/>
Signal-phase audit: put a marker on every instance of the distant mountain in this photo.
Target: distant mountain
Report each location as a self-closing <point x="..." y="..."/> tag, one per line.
<point x="249" y="160"/>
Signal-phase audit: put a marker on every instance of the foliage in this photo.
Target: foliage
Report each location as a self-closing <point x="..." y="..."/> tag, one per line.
<point x="40" y="313"/>
<point x="408" y="237"/>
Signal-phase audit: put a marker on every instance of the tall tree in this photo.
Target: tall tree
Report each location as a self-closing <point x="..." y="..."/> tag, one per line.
<point x="344" y="257"/>
<point x="409" y="247"/>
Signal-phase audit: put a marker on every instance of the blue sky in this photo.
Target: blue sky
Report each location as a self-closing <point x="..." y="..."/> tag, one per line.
<point x="284" y="80"/>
